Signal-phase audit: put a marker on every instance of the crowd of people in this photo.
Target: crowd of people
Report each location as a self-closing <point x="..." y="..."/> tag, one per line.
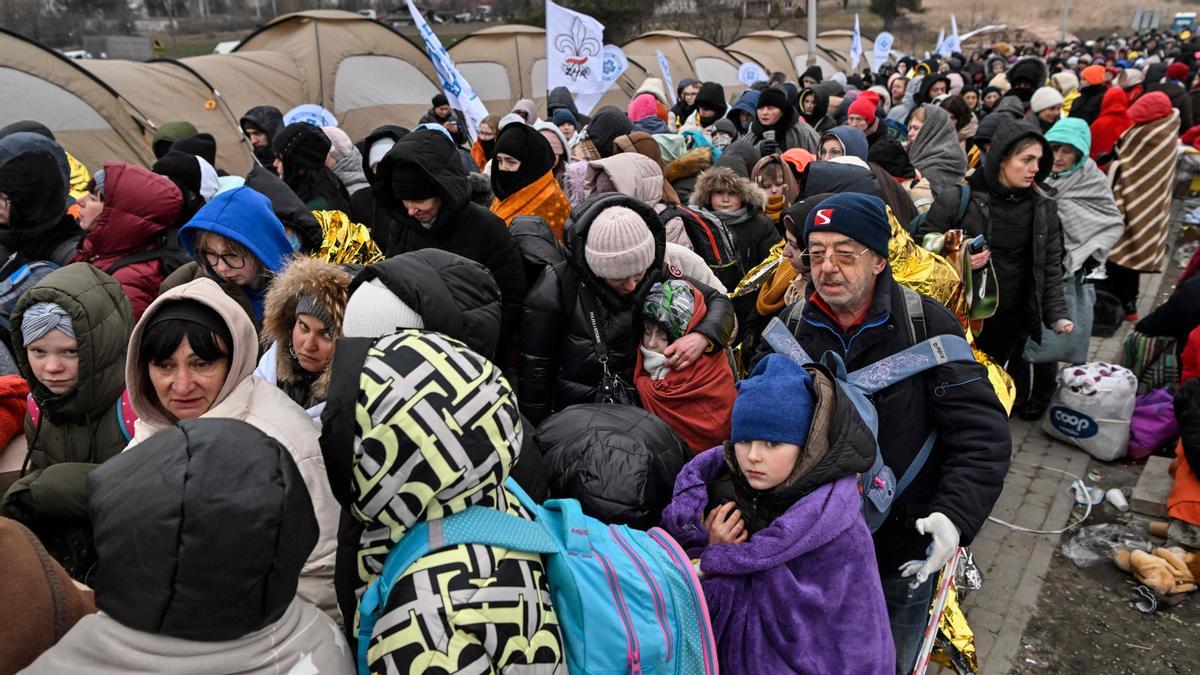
<point x="239" y="393"/>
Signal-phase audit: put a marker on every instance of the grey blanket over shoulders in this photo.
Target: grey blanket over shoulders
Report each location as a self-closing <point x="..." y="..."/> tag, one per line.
<point x="936" y="152"/>
<point x="1091" y="221"/>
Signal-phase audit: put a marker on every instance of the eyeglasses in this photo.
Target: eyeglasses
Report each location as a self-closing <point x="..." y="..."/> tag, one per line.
<point x="233" y="261"/>
<point x="839" y="258"/>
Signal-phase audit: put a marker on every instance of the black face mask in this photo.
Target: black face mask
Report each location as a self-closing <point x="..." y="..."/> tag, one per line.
<point x="507" y="183"/>
<point x="709" y="120"/>
<point x="489" y="147"/>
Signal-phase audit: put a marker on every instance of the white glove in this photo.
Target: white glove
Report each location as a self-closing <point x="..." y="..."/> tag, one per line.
<point x="945" y="543"/>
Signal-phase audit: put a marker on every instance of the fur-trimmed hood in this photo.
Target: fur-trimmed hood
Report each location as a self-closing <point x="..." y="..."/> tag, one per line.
<point x="326" y="282"/>
<point x="724" y="179"/>
<point x="690" y="164"/>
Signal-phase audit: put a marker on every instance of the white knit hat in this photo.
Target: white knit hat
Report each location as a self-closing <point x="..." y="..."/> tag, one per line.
<point x="373" y="310"/>
<point x="1045" y="97"/>
<point x="619" y="244"/>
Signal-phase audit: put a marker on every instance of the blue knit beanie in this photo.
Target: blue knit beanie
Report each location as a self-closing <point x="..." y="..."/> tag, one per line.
<point x="563" y="116"/>
<point x="861" y="217"/>
<point x="774" y="404"/>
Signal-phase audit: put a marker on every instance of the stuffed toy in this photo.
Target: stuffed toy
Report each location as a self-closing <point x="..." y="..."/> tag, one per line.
<point x="1167" y="571"/>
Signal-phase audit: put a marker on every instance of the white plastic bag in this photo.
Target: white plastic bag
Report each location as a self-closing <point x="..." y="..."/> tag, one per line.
<point x="1092" y="407"/>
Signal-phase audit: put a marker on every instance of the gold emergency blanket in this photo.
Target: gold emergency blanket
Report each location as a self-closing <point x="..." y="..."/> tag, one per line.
<point x="79" y="177"/>
<point x="953" y="626"/>
<point x="345" y="242"/>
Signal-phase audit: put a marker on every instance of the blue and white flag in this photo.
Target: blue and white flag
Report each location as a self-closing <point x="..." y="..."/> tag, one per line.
<point x="856" y="49"/>
<point x="615" y="65"/>
<point x="665" y="67"/>
<point x="953" y="43"/>
<point x="574" y="51"/>
<point x="883" y="48"/>
<point x="458" y="91"/>
<point x="941" y="49"/>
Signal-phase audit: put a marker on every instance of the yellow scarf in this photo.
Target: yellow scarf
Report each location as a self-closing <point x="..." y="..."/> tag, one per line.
<point x="775" y="206"/>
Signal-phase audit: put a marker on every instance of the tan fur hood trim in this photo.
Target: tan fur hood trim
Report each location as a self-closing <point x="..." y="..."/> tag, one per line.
<point x="688" y="165"/>
<point x="326" y="282"/>
<point x="724" y="179"/>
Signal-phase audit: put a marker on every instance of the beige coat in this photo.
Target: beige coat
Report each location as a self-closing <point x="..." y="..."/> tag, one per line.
<point x="258" y="403"/>
<point x="637" y="176"/>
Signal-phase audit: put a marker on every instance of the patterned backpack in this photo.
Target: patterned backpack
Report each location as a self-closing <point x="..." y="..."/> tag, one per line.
<point x="627" y="600"/>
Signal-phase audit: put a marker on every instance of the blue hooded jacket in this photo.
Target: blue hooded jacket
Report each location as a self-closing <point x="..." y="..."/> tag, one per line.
<point x="853" y="140"/>
<point x="245" y="216"/>
<point x="748" y="103"/>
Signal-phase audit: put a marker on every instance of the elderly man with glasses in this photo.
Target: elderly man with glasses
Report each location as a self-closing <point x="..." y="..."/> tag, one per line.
<point x="854" y="308"/>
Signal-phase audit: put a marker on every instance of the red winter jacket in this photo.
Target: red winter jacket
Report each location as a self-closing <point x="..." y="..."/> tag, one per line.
<point x="1113" y="121"/>
<point x="138" y="206"/>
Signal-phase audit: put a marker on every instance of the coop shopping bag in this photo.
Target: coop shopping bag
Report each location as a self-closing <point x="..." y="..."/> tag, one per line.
<point x="1092" y="407"/>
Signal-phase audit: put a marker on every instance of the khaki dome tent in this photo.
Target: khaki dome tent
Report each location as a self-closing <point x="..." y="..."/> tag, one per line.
<point x="507" y="63"/>
<point x="780" y="51"/>
<point x="363" y="72"/>
<point x="838" y="41"/>
<point x="88" y="117"/>
<point x="165" y="91"/>
<point x="688" y="56"/>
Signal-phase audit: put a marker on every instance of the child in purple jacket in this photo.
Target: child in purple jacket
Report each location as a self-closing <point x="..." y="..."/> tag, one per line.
<point x="786" y="559"/>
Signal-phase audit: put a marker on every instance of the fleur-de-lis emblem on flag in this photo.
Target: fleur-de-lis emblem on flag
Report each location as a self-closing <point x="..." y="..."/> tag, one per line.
<point x="578" y="47"/>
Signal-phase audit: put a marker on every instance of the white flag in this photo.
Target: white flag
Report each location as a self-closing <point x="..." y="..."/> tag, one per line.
<point x="665" y="67"/>
<point x="953" y="43"/>
<point x="855" y="46"/>
<point x="574" y="51"/>
<point x="883" y="45"/>
<point x="458" y="91"/>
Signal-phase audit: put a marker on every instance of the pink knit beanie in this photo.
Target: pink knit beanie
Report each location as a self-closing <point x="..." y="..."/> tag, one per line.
<point x="619" y="244"/>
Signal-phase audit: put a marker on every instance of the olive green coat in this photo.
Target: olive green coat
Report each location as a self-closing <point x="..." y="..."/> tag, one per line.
<point x="80" y="429"/>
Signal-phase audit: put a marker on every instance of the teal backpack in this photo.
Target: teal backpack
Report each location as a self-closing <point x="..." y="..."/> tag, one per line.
<point x="628" y="601"/>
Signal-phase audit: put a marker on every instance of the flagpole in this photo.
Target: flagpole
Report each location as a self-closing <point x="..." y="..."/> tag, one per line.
<point x="1065" y="16"/>
<point x="812" y="32"/>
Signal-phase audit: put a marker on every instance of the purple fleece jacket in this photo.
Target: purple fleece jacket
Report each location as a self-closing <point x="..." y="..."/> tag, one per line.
<point x="801" y="596"/>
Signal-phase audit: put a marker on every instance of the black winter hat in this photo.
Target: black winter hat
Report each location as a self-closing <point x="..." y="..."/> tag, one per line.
<point x="813" y="72"/>
<point x="440" y="100"/>
<point x="608" y="123"/>
<point x="302" y="145"/>
<point x="774" y="97"/>
<point x="200" y="145"/>
<point x="411" y="182"/>
<point x="30" y="126"/>
<point x="712" y="96"/>
<point x="180" y="167"/>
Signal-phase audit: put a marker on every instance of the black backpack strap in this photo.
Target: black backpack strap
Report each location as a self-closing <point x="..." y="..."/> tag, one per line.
<point x="964" y="200"/>
<point x="914" y="309"/>
<point x="134" y="258"/>
<point x="793" y="314"/>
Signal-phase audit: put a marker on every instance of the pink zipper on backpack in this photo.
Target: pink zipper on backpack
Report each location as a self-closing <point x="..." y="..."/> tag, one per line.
<point x="660" y="605"/>
<point x="632" y="648"/>
<point x="702" y="616"/>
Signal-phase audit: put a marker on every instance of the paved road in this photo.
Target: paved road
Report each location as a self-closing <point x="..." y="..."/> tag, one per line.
<point x="1014" y="563"/>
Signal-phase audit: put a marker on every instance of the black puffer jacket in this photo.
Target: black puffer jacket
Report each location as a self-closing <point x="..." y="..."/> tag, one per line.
<point x="965" y="474"/>
<point x="461" y="226"/>
<point x="1087" y="106"/>
<point x="454" y="295"/>
<point x="990" y="207"/>
<point x="559" y="366"/>
<point x="619" y="461"/>
<point x="201" y="530"/>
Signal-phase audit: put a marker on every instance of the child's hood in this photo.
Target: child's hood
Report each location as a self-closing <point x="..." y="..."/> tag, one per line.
<point x="723" y="179"/>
